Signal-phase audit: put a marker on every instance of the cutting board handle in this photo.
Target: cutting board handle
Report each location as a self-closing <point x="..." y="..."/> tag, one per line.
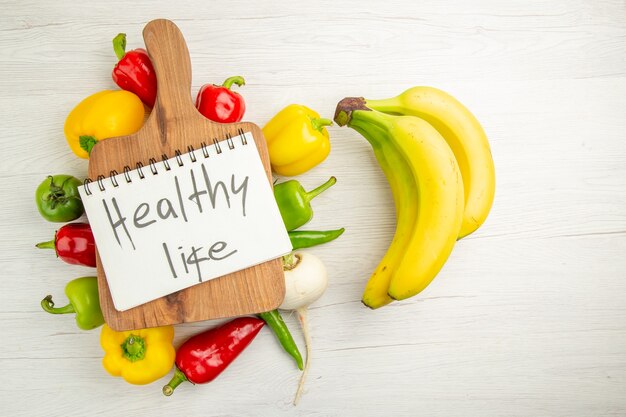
<point x="169" y="54"/>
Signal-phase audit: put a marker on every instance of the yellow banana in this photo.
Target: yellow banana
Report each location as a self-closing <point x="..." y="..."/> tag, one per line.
<point x="404" y="191"/>
<point x="436" y="202"/>
<point x="465" y="136"/>
<point x="440" y="205"/>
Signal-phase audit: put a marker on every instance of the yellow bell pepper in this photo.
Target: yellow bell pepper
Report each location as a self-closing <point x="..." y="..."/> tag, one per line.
<point x="296" y="140"/>
<point x="100" y="116"/>
<point x="138" y="356"/>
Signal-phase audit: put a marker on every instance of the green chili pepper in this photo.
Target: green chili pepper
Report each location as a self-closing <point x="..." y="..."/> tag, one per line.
<point x="58" y="200"/>
<point x="276" y="323"/>
<point x="295" y="203"/>
<point x="308" y="238"/>
<point x="83" y="296"/>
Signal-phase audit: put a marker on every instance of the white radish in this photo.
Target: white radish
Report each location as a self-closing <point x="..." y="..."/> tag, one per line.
<point x="306" y="280"/>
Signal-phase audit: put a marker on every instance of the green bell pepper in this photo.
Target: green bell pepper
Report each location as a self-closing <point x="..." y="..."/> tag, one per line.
<point x="294" y="202"/>
<point x="84" y="301"/>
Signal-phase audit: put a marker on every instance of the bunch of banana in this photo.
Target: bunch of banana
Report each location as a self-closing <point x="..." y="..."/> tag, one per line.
<point x="438" y="163"/>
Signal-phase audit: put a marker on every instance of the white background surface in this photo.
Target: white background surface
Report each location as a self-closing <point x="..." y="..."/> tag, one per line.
<point x="528" y="317"/>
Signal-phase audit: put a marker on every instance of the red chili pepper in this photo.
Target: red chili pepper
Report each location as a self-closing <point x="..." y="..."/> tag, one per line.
<point x="219" y="103"/>
<point x="204" y="356"/>
<point x="74" y="244"/>
<point x="134" y="71"/>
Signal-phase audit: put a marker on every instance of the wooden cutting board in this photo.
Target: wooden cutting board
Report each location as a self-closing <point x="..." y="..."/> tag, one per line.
<point x="175" y="124"/>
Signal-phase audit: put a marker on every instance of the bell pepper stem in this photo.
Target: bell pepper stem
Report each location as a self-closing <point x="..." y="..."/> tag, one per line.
<point x="87" y="143"/>
<point x="48" y="305"/>
<point x="119" y="45"/>
<point x="178" y="378"/>
<point x="316" y="191"/>
<point x="46" y="245"/>
<point x="234" y="80"/>
<point x="319" y="123"/>
<point x="134" y="348"/>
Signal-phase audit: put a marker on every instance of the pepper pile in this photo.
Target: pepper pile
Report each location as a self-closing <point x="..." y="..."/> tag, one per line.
<point x="297" y="141"/>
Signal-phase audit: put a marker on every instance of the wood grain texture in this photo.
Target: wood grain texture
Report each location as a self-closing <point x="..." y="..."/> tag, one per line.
<point x="175" y="125"/>
<point x="527" y="318"/>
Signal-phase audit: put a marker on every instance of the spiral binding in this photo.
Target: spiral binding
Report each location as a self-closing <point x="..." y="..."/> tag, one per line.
<point x="152" y="163"/>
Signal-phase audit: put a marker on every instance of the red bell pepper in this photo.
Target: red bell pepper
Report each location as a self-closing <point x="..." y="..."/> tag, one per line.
<point x="134" y="71"/>
<point x="220" y="103"/>
<point x="74" y="244"/>
<point x="204" y="356"/>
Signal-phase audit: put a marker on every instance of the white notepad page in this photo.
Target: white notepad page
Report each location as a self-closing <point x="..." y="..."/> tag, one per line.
<point x="192" y="223"/>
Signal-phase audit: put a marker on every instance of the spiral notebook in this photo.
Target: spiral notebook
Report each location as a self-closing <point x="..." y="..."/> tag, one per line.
<point x="181" y="221"/>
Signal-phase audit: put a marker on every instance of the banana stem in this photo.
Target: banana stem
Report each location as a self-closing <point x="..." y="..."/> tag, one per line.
<point x="343" y="113"/>
<point x="389" y="106"/>
<point x="352" y="110"/>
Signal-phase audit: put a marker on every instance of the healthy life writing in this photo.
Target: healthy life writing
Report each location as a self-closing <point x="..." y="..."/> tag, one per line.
<point x="207" y="195"/>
